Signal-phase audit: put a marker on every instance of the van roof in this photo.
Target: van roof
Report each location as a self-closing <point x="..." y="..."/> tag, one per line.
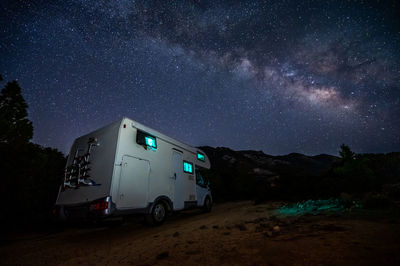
<point x="161" y="135"/>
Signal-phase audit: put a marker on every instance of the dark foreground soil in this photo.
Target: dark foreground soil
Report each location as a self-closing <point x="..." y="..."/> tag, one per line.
<point x="232" y="234"/>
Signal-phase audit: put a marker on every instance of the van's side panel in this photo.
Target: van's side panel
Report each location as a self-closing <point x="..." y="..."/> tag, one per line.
<point x="161" y="177"/>
<point x="159" y="160"/>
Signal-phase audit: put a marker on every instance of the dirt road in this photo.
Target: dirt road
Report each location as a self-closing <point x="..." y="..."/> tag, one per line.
<point x="232" y="234"/>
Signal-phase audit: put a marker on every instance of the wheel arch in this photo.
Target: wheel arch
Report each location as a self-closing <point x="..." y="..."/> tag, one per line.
<point x="207" y="195"/>
<point x="164" y="199"/>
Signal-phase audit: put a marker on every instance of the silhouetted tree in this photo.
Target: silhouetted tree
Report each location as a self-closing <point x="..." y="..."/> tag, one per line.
<point x="30" y="174"/>
<point x="346" y="153"/>
<point x="15" y="127"/>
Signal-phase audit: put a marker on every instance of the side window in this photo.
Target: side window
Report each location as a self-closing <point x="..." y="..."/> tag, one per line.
<point x="199" y="179"/>
<point x="201" y="156"/>
<point x="143" y="138"/>
<point x="187" y="167"/>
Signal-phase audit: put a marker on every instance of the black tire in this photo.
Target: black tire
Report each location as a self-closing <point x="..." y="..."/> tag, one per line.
<point x="158" y="214"/>
<point x="207" y="205"/>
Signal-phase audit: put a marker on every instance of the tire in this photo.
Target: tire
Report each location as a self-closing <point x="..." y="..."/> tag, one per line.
<point x="158" y="214"/>
<point x="207" y="205"/>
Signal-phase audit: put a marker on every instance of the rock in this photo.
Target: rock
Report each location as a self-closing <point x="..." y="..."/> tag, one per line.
<point x="241" y="227"/>
<point x="163" y="255"/>
<point x="276" y="228"/>
<point x="192" y="252"/>
<point x="259" y="229"/>
<point x="268" y="234"/>
<point x="261" y="171"/>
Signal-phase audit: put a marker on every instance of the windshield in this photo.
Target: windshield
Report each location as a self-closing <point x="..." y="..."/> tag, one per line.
<point x="200" y="180"/>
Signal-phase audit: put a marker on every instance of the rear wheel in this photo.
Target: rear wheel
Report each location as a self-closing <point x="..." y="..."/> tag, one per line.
<point x="158" y="214"/>
<point x="207" y="204"/>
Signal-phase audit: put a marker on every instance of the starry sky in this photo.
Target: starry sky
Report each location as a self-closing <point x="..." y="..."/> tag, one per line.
<point x="278" y="76"/>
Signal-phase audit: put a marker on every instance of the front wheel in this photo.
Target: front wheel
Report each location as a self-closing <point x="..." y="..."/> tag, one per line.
<point x="207" y="205"/>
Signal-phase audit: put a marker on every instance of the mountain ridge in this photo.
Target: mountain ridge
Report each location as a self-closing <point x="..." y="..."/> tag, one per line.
<point x="312" y="165"/>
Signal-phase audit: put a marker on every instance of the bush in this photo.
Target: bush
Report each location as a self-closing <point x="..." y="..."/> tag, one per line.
<point x="377" y="201"/>
<point x="392" y="191"/>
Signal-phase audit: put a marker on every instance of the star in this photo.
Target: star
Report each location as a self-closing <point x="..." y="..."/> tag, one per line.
<point x="277" y="76"/>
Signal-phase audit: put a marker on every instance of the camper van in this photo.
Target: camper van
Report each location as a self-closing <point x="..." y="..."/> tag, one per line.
<point x="127" y="168"/>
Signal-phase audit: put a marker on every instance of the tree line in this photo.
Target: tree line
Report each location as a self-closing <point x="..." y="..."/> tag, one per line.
<point x="30" y="174"/>
<point x="373" y="179"/>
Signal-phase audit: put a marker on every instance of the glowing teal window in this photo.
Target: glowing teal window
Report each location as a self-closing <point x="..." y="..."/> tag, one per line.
<point x="201" y="156"/>
<point x="187" y="167"/>
<point x="150" y="141"/>
<point x="143" y="138"/>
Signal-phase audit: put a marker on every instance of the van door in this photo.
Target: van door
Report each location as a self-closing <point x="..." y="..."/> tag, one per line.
<point x="133" y="183"/>
<point x="177" y="165"/>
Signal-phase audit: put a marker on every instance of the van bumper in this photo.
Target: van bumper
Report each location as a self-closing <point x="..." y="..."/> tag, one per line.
<point x="97" y="209"/>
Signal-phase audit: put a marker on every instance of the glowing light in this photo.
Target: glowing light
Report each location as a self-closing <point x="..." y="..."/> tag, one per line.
<point x="201" y="157"/>
<point x="188" y="167"/>
<point x="150" y="142"/>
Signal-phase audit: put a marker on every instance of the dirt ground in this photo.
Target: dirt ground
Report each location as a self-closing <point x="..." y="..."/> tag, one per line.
<point x="237" y="233"/>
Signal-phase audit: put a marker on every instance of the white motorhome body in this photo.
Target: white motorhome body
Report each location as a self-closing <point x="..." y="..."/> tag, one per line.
<point x="126" y="167"/>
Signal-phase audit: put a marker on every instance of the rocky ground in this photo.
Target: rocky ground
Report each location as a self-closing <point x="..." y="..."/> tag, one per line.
<point x="238" y="233"/>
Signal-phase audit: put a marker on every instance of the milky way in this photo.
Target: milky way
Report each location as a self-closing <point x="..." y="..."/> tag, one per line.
<point x="277" y="76"/>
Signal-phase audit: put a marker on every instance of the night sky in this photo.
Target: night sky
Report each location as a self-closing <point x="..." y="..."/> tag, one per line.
<point x="278" y="76"/>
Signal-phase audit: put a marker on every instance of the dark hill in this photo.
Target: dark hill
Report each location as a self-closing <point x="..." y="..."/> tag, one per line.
<point x="296" y="162"/>
<point x="254" y="174"/>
